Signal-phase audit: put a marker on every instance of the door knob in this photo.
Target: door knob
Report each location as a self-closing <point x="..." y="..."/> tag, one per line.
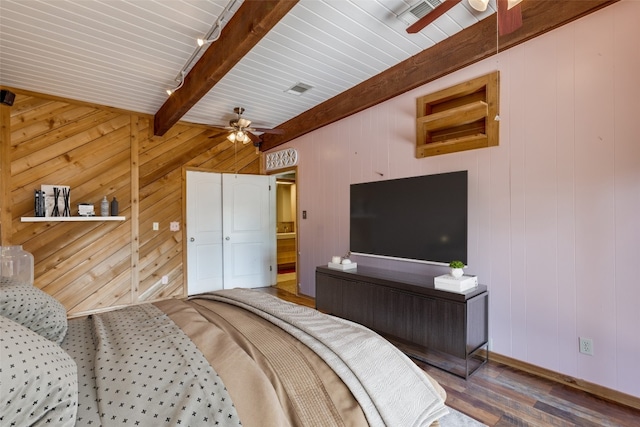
<point x="192" y="239"/>
<point x="227" y="238"/>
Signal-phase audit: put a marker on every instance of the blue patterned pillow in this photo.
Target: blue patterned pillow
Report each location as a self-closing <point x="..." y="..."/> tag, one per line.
<point x="29" y="306"/>
<point x="39" y="379"/>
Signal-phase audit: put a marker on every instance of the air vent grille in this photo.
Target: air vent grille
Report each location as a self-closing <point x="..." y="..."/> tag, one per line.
<point x="418" y="11"/>
<point x="299" y="88"/>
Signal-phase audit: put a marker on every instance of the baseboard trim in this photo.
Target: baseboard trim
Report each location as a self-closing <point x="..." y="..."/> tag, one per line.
<point x="595" y="389"/>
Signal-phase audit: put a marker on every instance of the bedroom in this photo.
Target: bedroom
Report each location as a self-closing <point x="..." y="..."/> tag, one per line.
<point x="538" y="308"/>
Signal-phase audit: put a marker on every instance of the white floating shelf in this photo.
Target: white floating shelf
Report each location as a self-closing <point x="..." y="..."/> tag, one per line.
<point x="70" y="218"/>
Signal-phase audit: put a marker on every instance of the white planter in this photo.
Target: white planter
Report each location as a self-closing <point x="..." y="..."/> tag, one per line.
<point x="457" y="272"/>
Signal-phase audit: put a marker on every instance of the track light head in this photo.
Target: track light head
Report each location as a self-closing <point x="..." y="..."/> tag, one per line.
<point x="171" y="91"/>
<point x="202" y="42"/>
<point x="217" y="29"/>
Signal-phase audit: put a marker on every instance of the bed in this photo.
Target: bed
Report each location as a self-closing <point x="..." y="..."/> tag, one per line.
<point x="227" y="358"/>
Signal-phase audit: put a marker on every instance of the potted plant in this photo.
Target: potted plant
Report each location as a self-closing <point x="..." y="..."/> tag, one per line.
<point x="456" y="268"/>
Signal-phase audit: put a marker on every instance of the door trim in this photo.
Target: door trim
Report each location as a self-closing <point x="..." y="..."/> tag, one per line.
<point x="279" y="172"/>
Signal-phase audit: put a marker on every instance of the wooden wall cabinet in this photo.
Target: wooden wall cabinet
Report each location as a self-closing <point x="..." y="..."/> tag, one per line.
<point x="445" y="329"/>
<point x="462" y="117"/>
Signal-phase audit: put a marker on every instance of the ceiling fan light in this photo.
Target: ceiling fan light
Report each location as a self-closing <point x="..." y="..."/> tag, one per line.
<point x="480" y="5"/>
<point x="232" y="137"/>
<point x="511" y="3"/>
<point x="246" y="139"/>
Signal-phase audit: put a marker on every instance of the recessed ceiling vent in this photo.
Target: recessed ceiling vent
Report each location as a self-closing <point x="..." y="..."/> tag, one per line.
<point x="298" y="88"/>
<point x="418" y="11"/>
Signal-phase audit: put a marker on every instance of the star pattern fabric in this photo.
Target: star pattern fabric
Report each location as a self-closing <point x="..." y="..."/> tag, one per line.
<point x="145" y="371"/>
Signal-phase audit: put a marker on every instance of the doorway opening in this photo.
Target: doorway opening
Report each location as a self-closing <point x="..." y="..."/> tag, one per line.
<point x="287" y="231"/>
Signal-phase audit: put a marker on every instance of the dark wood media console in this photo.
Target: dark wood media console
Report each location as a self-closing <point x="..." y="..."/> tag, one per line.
<point x="448" y="330"/>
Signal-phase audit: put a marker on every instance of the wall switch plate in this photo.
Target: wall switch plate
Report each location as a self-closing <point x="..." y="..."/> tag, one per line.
<point x="304" y="214"/>
<point x="156" y="226"/>
<point x="165" y="280"/>
<point x="174" y="226"/>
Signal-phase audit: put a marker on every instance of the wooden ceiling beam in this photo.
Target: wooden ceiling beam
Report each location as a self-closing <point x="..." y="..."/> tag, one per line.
<point x="252" y="21"/>
<point x="458" y="51"/>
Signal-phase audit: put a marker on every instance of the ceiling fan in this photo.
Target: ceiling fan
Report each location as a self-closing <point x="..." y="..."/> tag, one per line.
<point x="242" y="131"/>
<point x="509" y="13"/>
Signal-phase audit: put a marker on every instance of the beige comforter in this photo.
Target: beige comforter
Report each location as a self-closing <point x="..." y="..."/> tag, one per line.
<point x="389" y="387"/>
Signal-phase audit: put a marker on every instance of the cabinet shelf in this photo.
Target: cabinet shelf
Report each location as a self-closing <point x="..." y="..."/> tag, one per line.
<point x="70" y="218"/>
<point x="459" y="118"/>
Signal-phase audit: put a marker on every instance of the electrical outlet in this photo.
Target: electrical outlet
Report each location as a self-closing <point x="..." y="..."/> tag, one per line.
<point x="586" y="346"/>
<point x="156" y="226"/>
<point x="165" y="280"/>
<point x="174" y="226"/>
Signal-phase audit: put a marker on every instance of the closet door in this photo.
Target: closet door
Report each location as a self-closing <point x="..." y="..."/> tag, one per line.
<point x="231" y="225"/>
<point x="204" y="232"/>
<point x="249" y="230"/>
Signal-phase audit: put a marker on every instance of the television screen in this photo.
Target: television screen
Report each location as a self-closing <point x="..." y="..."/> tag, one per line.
<point x="420" y="218"/>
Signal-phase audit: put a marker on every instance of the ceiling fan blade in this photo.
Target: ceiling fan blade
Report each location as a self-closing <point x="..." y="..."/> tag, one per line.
<point x="509" y="20"/>
<point x="219" y="134"/>
<point x="273" y="131"/>
<point x="254" y="138"/>
<point x="432" y="16"/>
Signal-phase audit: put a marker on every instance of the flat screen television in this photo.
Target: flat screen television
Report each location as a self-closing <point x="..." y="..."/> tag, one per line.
<point x="421" y="218"/>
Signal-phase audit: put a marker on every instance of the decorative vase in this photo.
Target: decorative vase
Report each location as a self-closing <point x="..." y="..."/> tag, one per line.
<point x="114" y="207"/>
<point x="16" y="263"/>
<point x="457" y="272"/>
<point x="104" y="207"/>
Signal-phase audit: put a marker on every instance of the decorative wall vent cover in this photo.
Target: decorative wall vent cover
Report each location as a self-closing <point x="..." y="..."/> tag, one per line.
<point x="282" y="159"/>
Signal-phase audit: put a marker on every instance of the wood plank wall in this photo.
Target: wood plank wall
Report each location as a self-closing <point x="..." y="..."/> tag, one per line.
<point x="100" y="151"/>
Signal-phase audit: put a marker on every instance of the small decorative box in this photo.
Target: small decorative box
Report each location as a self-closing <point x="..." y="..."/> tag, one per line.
<point x="351" y="266"/>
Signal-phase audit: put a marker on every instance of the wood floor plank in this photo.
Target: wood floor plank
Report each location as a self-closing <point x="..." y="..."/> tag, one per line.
<point x="588" y="402"/>
<point x="563" y="414"/>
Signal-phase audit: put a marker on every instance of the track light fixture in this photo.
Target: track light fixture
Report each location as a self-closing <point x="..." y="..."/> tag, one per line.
<point x="207" y="40"/>
<point x="216" y="28"/>
<point x="170" y="91"/>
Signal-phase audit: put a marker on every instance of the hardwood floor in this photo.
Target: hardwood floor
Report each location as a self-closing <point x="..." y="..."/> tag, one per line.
<point x="499" y="395"/>
<point x="287" y="282"/>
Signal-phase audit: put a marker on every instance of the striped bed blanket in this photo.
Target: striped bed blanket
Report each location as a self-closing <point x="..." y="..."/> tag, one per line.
<point x="389" y="387"/>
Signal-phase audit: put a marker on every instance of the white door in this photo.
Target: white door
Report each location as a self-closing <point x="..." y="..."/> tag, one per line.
<point x="249" y="229"/>
<point x="230" y="231"/>
<point x="204" y="232"/>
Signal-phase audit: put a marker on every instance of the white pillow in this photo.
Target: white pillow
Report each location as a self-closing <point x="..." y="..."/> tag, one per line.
<point x="31" y="307"/>
<point x="39" y="379"/>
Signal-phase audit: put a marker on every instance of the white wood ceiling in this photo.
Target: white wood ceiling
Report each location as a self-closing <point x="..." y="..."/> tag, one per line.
<point x="126" y="53"/>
